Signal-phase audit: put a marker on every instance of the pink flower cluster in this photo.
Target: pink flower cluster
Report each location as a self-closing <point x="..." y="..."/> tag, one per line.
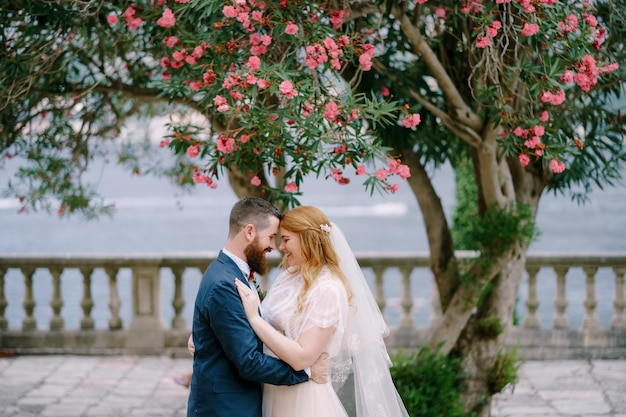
<point x="286" y="89"/>
<point x="167" y="20"/>
<point x="411" y="120"/>
<point x="483" y="41"/>
<point x="225" y="144"/>
<point x="365" y="59"/>
<point x="338" y="176"/>
<point x="199" y="178"/>
<point x="130" y="18"/>
<point x="317" y="54"/>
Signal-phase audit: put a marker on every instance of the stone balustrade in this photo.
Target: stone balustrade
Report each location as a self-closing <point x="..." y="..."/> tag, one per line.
<point x="570" y="305"/>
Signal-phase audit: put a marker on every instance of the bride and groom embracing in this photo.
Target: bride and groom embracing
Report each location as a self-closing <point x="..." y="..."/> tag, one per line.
<point x="273" y="360"/>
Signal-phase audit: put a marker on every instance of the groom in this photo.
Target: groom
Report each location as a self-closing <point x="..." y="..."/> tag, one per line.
<point x="228" y="364"/>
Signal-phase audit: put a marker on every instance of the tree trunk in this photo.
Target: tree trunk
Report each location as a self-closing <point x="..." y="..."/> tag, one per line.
<point x="481" y="341"/>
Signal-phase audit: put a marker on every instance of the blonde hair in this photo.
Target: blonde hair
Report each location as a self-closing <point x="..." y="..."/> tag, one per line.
<point x="317" y="249"/>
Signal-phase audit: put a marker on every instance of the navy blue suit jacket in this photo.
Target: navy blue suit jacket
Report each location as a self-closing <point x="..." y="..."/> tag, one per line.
<point x="228" y="364"/>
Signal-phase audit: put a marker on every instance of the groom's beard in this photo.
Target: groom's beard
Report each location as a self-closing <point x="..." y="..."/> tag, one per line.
<point x="255" y="255"/>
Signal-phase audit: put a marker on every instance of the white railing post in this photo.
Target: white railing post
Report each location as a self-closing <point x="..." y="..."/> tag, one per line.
<point x="560" y="320"/>
<point x="178" y="322"/>
<point x="146" y="331"/>
<point x="590" y="320"/>
<point x="4" y="322"/>
<point x="56" y="302"/>
<point x="531" y="321"/>
<point x="86" y="303"/>
<point x="28" y="322"/>
<point x="618" y="321"/>
<point x="115" y="322"/>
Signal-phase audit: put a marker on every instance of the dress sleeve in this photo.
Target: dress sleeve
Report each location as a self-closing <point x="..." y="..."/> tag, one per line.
<point x="327" y="306"/>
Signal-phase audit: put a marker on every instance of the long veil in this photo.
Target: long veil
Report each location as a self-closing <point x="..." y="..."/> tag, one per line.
<point x="363" y="352"/>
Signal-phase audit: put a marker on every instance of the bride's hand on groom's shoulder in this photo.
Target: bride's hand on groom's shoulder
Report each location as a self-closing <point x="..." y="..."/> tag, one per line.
<point x="320" y="369"/>
<point x="249" y="299"/>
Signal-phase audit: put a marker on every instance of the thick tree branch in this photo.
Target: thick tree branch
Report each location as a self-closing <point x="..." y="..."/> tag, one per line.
<point x="460" y="109"/>
<point x="440" y="242"/>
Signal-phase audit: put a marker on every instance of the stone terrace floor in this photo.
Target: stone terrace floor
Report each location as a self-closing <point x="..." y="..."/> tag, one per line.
<point x="143" y="386"/>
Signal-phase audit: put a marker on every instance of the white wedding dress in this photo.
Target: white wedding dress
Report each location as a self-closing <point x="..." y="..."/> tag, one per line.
<point x="326" y="306"/>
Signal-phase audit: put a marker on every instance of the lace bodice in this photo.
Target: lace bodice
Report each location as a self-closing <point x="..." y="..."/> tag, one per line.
<point x="326" y="306"/>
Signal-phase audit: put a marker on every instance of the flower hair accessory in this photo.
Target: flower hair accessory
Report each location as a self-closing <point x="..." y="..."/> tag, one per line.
<point x="325" y="228"/>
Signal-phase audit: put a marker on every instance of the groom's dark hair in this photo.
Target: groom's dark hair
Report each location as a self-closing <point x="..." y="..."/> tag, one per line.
<point x="251" y="210"/>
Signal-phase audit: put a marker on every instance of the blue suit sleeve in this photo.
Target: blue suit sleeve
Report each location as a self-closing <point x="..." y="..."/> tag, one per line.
<point x="241" y="345"/>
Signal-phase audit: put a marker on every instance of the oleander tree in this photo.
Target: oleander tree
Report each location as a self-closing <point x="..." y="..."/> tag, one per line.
<point x="267" y="93"/>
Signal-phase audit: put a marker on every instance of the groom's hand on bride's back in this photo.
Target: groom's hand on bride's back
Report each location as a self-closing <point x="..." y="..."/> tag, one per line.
<point x="320" y="369"/>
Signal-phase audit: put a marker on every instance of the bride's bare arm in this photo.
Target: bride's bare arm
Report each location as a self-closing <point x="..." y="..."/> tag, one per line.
<point x="299" y="354"/>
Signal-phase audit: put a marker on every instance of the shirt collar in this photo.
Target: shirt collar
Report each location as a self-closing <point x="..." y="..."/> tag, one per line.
<point x="245" y="268"/>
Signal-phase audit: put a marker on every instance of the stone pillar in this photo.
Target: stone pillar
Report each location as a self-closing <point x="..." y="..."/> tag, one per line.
<point x="146" y="332"/>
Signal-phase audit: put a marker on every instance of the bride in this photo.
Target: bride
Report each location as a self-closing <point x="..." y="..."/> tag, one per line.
<point x="321" y="303"/>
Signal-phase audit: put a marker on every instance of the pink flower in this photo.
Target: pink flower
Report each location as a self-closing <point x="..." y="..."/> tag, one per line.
<point x="530" y="29"/>
<point x="523" y="159"/>
<point x="340" y="149"/>
<point x="556" y="166"/>
<point x="538" y="130"/>
<point x="230" y="11"/>
<point x="404" y="171"/>
<point x="193" y="151"/>
<point x="220" y="103"/>
<point x="225" y="144"/>
<point x="411" y="120"/>
<point x="286" y="89"/>
<point x="440" y="12"/>
<point x="315" y="56"/>
<point x="366" y="61"/>
<point x="244" y="138"/>
<point x="570" y="24"/>
<point x="255" y="181"/>
<point x="493" y="28"/>
<point x="336" y="19"/>
<point x="482" y="41"/>
<point x="262" y="83"/>
<point x="520" y="132"/>
<point x="307" y="110"/>
<point x="360" y="170"/>
<point x="545" y="116"/>
<point x="381" y="174"/>
<point x="384" y="91"/>
<point x="254" y="63"/>
<point x="291" y="187"/>
<point x="167" y="20"/>
<point x="393" y="188"/>
<point x="171" y="41"/>
<point x="195" y="85"/>
<point x="164" y="143"/>
<point x="331" y="112"/>
<point x="134" y="23"/>
<point x="567" y="77"/>
<point x="112" y="19"/>
<point x="291" y="28"/>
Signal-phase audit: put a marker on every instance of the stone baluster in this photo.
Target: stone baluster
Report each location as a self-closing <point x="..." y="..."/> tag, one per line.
<point x="146" y="331"/>
<point x="406" y="300"/>
<point x="560" y="320"/>
<point x="618" y="321"/>
<point x="178" y="322"/>
<point x="4" y="322"/>
<point x="115" y="322"/>
<point x="590" y="320"/>
<point x="86" y="322"/>
<point x="531" y="321"/>
<point x="28" y="322"/>
<point x="56" y="302"/>
<point x="379" y="290"/>
<point x="435" y="302"/>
